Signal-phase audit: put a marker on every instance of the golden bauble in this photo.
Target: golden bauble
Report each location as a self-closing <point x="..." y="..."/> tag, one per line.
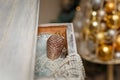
<point x="117" y="43"/>
<point x="94" y="13"/>
<point x="103" y="26"/>
<point x="109" y="7"/>
<point x="109" y="35"/>
<point x="114" y="26"/>
<point x="105" y="52"/>
<point x="92" y="36"/>
<point x="93" y="25"/>
<point x="115" y="17"/>
<point x="94" y="16"/>
<point x="100" y="35"/>
<point x="113" y="21"/>
<point x="117" y="47"/>
<point x="118" y="39"/>
<point x="86" y="31"/>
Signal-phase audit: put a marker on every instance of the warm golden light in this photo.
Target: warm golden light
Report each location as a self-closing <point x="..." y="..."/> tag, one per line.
<point x="115" y="17"/>
<point x="118" y="39"/>
<point x="87" y="31"/>
<point x="117" y="43"/>
<point x="105" y="49"/>
<point x="95" y="23"/>
<point x="94" y="13"/>
<point x="78" y="8"/>
<point x="110" y="4"/>
<point x="110" y="7"/>
<point x="105" y="52"/>
<point x="100" y="35"/>
<point x="101" y="13"/>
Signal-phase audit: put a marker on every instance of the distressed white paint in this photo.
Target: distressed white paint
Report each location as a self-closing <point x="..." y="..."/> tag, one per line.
<point x="71" y="45"/>
<point x="18" y="29"/>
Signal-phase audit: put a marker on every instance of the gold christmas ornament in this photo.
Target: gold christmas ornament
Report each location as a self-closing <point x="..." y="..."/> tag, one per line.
<point x="103" y="26"/>
<point x="109" y="7"/>
<point x="115" y="17"/>
<point x="117" y="43"/>
<point x="109" y="35"/>
<point x="118" y="39"/>
<point x="105" y="52"/>
<point x="94" y="13"/>
<point x="100" y="36"/>
<point x="87" y="31"/>
<point x="93" y="27"/>
<point x="113" y="26"/>
<point x="93" y="30"/>
<point x="113" y="21"/>
<point x="95" y="23"/>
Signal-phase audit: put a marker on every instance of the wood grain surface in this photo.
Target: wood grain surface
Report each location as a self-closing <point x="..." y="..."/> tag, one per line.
<point x="18" y="33"/>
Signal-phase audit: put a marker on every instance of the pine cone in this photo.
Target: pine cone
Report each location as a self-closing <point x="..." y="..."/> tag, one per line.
<point x="55" y="44"/>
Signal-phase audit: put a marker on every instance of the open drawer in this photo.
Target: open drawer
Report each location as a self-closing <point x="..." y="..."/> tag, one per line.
<point x="68" y="66"/>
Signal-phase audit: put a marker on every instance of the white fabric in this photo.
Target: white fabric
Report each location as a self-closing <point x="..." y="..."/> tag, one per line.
<point x="67" y="68"/>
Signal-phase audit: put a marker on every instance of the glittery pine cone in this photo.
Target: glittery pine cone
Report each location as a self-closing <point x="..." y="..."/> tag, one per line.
<point x="55" y="44"/>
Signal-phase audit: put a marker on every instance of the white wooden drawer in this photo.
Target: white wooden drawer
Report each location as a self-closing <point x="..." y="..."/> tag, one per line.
<point x="64" y="29"/>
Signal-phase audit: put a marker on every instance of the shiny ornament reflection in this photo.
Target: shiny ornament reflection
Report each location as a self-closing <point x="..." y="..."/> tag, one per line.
<point x="103" y="26"/>
<point x="101" y="13"/>
<point x="96" y="4"/>
<point x="94" y="13"/>
<point x="112" y="32"/>
<point x="105" y="52"/>
<point x="118" y="39"/>
<point x="117" y="43"/>
<point x="95" y="23"/>
<point x="109" y="7"/>
<point x="100" y="36"/>
<point x="109" y="36"/>
<point x="115" y="17"/>
<point x="113" y="21"/>
<point x="117" y="54"/>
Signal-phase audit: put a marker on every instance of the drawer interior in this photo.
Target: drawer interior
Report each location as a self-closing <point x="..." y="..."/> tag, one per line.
<point x="47" y="69"/>
<point x="61" y="30"/>
<point x="44" y="31"/>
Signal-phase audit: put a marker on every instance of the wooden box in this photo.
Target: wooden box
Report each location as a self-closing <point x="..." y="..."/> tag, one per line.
<point x="65" y="30"/>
